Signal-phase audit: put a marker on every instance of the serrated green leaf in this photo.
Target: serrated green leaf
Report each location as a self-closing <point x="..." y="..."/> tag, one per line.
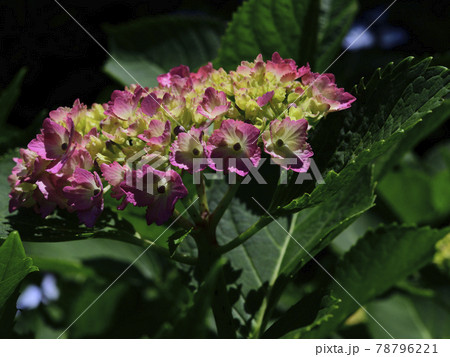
<point x="149" y="47"/>
<point x="379" y="260"/>
<point x="314" y="228"/>
<point x="306" y="30"/>
<point x="317" y="226"/>
<point x="14" y="267"/>
<point x="272" y="254"/>
<point x="420" y="131"/>
<point x="376" y="121"/>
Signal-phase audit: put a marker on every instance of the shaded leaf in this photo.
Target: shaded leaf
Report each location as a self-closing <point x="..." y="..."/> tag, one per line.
<point x="149" y="47"/>
<point x="373" y="265"/>
<point x="306" y="30"/>
<point x="192" y="323"/>
<point x="336" y="17"/>
<point x="298" y="316"/>
<point x="418" y="191"/>
<point x="98" y="318"/>
<point x="411" y="316"/>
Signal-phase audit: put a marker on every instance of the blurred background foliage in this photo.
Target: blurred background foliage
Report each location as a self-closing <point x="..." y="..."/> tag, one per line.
<point x="47" y="61"/>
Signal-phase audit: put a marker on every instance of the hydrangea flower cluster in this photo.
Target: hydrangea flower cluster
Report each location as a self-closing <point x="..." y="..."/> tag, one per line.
<point x="225" y="119"/>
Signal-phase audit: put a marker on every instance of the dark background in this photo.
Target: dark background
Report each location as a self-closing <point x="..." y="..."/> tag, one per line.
<point x="64" y="63"/>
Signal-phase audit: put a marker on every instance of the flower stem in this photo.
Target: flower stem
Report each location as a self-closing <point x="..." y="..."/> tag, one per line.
<point x="224" y="203"/>
<point x="203" y="199"/>
<point x="181" y="221"/>
<point x="220" y="304"/>
<point x="193" y="212"/>
<point x="241" y="238"/>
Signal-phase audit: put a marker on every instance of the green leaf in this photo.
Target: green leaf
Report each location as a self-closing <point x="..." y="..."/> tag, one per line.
<point x="67" y="257"/>
<point x="442" y="256"/>
<point x="99" y="316"/>
<point x="272" y="255"/>
<point x="313" y="229"/>
<point x="348" y="238"/>
<point x="151" y="46"/>
<point x="256" y="261"/>
<point x="418" y="191"/>
<point x="334" y="23"/>
<point x="407" y="192"/>
<point x="411" y="316"/>
<point x="305" y="30"/>
<point x="14" y="266"/>
<point x="376" y="121"/>
<point x="420" y="131"/>
<point x="6" y="165"/>
<point x="379" y="260"/>
<point x="69" y="268"/>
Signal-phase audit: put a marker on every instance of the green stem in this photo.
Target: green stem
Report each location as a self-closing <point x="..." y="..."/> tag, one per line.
<point x="272" y="294"/>
<point x="241" y="238"/>
<point x="221" y="307"/>
<point x="181" y="221"/>
<point x="224" y="203"/>
<point x="203" y="199"/>
<point x="193" y="212"/>
<point x="278" y="194"/>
